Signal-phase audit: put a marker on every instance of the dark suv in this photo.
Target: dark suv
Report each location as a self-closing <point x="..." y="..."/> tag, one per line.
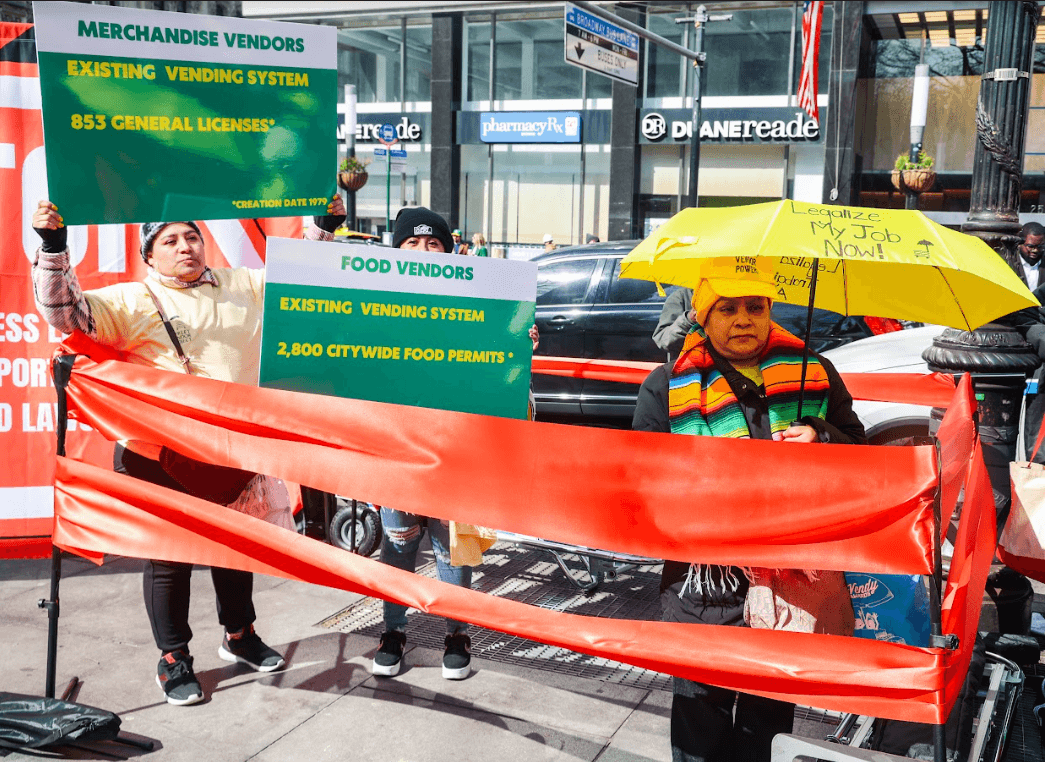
<point x="584" y="309"/>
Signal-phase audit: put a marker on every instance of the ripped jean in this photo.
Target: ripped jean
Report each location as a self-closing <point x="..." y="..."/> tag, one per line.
<point x="402" y="538"/>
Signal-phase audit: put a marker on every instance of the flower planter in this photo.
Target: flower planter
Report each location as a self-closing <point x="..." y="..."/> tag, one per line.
<point x="916" y="180"/>
<point x="352" y="181"/>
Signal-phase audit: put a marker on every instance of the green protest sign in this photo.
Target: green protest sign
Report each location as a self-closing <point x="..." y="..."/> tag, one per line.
<point x="391" y="325"/>
<point x="150" y="115"/>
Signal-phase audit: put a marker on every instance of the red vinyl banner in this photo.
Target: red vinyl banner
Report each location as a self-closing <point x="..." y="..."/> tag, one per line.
<point x="636" y="492"/>
<point x="102" y="255"/>
<point x="933" y="389"/>
<point x="673" y="495"/>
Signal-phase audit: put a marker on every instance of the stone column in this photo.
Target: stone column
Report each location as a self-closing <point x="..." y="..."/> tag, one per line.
<point x="624" y="144"/>
<point x="997" y="355"/>
<point x="447" y="40"/>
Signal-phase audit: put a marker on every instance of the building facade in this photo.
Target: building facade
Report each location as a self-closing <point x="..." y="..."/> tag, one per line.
<point x="434" y="69"/>
<point x="448" y="74"/>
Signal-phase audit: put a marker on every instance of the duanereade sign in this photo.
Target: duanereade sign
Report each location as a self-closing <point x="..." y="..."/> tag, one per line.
<point x="392" y="325"/>
<point x="150" y="115"/>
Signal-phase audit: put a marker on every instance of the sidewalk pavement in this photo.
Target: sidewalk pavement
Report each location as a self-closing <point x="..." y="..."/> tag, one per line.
<point x="325" y="705"/>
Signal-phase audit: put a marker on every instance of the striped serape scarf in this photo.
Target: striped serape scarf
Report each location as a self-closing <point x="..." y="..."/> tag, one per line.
<point x="701" y="402"/>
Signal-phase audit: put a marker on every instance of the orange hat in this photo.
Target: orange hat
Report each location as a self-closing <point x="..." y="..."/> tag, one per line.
<point x="732" y="277"/>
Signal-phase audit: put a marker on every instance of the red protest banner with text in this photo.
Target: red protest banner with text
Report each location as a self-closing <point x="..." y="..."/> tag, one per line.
<point x="102" y="255"/>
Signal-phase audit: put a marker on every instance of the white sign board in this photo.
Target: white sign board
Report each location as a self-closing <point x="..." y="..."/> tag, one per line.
<point x="601" y="46"/>
<point x="398" y="158"/>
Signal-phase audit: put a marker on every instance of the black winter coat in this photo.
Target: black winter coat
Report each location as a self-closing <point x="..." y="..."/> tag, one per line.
<point x="842" y="426"/>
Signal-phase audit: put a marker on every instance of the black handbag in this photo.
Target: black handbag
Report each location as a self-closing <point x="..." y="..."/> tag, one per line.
<point x="218" y="484"/>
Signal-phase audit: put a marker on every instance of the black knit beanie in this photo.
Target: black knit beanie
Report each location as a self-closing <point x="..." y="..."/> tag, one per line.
<point x="150" y="230"/>
<point x="417" y="220"/>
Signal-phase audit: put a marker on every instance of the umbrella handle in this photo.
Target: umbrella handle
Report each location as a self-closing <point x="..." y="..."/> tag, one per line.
<point x="809" y="332"/>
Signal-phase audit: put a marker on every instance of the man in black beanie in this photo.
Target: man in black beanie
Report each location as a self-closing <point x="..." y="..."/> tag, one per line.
<point x="421" y="229"/>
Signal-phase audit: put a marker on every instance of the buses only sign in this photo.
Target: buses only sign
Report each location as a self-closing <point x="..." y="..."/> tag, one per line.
<point x="600" y="46"/>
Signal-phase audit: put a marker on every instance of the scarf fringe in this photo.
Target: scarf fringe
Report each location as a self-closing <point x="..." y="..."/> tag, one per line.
<point x="700" y="579"/>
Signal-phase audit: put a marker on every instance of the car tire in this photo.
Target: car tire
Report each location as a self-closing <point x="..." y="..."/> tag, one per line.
<point x="368" y="528"/>
<point x="902" y="434"/>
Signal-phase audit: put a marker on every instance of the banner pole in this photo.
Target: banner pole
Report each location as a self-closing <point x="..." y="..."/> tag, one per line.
<point x="61" y="369"/>
<point x="936" y="603"/>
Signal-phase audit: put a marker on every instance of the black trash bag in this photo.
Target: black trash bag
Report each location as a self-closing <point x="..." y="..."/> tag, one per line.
<point x="31" y="722"/>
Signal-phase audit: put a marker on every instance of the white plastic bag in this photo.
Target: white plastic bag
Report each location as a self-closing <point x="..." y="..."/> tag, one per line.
<point x="266" y="498"/>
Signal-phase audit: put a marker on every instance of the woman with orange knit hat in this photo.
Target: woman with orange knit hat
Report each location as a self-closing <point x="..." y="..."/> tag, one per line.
<point x="738" y="375"/>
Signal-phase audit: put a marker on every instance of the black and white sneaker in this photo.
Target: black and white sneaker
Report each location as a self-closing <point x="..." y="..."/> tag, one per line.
<point x="175" y="676"/>
<point x="247" y="648"/>
<point x="389" y="656"/>
<point x="457" y="658"/>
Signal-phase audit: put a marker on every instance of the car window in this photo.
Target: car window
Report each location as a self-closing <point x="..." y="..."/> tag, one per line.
<point x="830" y="329"/>
<point x="632" y="291"/>
<point x="565" y="281"/>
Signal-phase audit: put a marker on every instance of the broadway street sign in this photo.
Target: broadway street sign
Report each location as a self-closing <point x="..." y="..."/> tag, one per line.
<point x="600" y="46"/>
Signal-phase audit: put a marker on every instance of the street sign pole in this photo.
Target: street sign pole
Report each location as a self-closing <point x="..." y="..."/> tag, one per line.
<point x="698" y="57"/>
<point x="694" y="143"/>
<point x="699" y="22"/>
<point x="387" y="136"/>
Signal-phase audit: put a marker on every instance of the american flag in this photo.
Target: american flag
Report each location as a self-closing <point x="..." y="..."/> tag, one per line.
<point x="812" y="15"/>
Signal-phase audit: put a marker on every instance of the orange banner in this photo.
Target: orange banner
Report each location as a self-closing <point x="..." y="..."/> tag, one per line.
<point x="642" y="493"/>
<point x="112" y="513"/>
<point x="766" y="503"/>
<point x="933" y="389"/>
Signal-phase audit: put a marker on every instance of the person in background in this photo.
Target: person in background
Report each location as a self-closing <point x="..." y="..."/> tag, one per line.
<point x="218" y="317"/>
<point x="1027" y="263"/>
<point x="549" y="242"/>
<point x="592" y="238"/>
<point x="479" y="245"/>
<point x="421" y="229"/>
<point x="737" y="378"/>
<point x="677" y="318"/>
<point x="459" y="246"/>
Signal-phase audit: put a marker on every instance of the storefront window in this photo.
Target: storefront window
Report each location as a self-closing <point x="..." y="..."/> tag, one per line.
<point x="744" y="53"/>
<point x="897" y="58"/>
<point x="554" y="77"/>
<point x="598" y="86"/>
<point x="530" y="61"/>
<point x="477" y="65"/>
<point x="663" y="66"/>
<point x="419" y="63"/>
<point x="536" y="190"/>
<point x="369" y="59"/>
<point x="509" y="83"/>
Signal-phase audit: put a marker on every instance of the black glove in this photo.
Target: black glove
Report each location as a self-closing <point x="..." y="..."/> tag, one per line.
<point x="329" y="222"/>
<point x="54" y="241"/>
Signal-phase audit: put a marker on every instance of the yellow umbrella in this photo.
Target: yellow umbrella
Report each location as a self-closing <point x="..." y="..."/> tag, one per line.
<point x="881" y="262"/>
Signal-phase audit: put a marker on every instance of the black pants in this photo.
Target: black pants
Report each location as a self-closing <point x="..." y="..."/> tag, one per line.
<point x="704" y="727"/>
<point x="166" y="584"/>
